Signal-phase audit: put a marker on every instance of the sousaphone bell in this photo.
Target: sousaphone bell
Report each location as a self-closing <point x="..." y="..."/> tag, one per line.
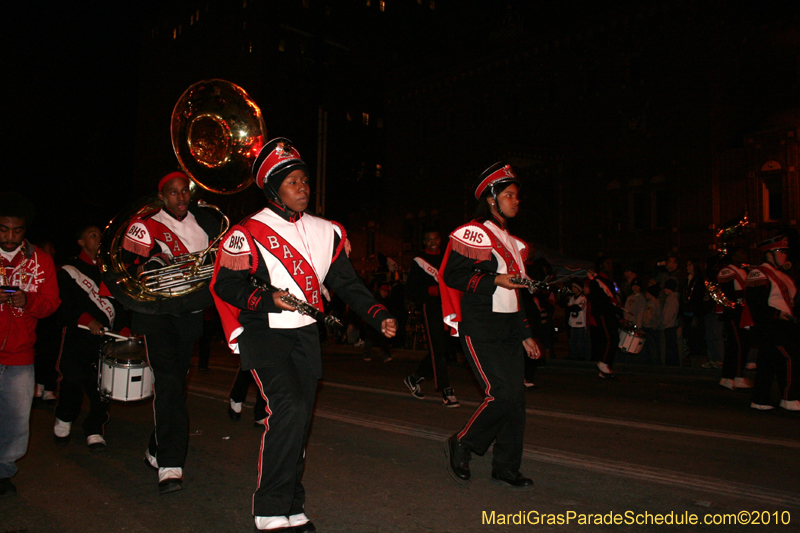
<point x="217" y="131"/>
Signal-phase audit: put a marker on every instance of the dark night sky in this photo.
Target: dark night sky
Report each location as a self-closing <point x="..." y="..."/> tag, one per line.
<point x="70" y="136"/>
<point x="73" y="108"/>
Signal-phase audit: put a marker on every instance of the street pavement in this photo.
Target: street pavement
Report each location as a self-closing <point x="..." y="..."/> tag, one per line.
<point x="666" y="442"/>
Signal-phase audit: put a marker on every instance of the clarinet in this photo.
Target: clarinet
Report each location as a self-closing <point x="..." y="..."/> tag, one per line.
<point x="535" y="286"/>
<point x="302" y="307"/>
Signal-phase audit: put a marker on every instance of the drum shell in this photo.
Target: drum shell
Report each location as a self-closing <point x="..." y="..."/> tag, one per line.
<point x="631" y="341"/>
<point x="123" y="371"/>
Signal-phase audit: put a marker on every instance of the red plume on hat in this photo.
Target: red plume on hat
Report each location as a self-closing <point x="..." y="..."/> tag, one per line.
<point x="276" y="160"/>
<point x="500" y="172"/>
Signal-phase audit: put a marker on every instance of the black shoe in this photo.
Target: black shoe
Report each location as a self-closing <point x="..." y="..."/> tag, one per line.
<point x="308" y="527"/>
<point x="170" y="485"/>
<point x="233" y="414"/>
<point x="458" y="457"/>
<point x="412" y="382"/>
<point x="514" y="480"/>
<point x="6" y="487"/>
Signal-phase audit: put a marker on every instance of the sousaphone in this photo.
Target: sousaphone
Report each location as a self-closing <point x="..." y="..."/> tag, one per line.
<point x="217" y="131"/>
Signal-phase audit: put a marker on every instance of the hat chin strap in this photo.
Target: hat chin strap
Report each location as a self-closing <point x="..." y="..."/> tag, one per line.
<point x="497" y="203"/>
<point x="270" y="190"/>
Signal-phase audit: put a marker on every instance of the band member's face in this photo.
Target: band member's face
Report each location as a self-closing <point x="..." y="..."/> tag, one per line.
<point x="295" y="191"/>
<point x="779" y="257"/>
<point x="432" y="241"/>
<point x="12" y="231"/>
<point x="508" y="201"/>
<point x="176" y="196"/>
<point x="90" y="241"/>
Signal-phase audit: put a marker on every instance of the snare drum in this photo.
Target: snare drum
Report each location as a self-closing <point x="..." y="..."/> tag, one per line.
<point x="631" y="340"/>
<point x="123" y="373"/>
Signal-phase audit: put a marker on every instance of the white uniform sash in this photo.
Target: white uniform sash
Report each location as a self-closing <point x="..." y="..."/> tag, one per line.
<point x="93" y="291"/>
<point x="428" y="268"/>
<point x="297" y="255"/>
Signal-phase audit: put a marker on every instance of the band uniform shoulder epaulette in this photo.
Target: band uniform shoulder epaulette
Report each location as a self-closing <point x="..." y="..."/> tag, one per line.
<point x="138" y="239"/>
<point x="756" y="278"/>
<point x="236" y="249"/>
<point x="472" y="240"/>
<point x="726" y="274"/>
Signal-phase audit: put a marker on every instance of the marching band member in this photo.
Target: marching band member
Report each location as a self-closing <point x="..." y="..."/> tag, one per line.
<point x="770" y="295"/>
<point x="732" y="279"/>
<point x="423" y="289"/>
<point x="606" y="310"/>
<point x="82" y="304"/>
<point x="481" y="305"/>
<point x="284" y="246"/>
<point x="154" y="240"/>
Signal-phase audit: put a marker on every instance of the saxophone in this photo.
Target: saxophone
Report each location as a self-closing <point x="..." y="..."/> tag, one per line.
<point x="301" y="306"/>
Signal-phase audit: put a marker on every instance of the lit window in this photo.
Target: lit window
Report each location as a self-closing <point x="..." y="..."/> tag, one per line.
<point x="378" y="171"/>
<point x="197" y="16"/>
<point x="365" y="119"/>
<point x="369" y="3"/>
<point x="174" y="33"/>
<point x="433" y="5"/>
<point x="191" y="20"/>
<point x="281" y="45"/>
<point x="244" y="4"/>
<point x="250" y="47"/>
<point x="349" y="117"/>
<point x="383" y="5"/>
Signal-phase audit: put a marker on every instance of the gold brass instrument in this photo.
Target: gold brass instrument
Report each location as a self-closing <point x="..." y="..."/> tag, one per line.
<point x="726" y="237"/>
<point x="716" y="294"/>
<point x="186" y="269"/>
<point x="217" y="131"/>
<point x="301" y="306"/>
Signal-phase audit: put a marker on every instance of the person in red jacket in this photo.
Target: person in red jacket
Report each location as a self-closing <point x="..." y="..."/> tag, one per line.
<point x="29" y="292"/>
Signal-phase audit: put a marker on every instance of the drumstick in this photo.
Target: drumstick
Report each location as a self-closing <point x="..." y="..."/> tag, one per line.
<point x="105" y="332"/>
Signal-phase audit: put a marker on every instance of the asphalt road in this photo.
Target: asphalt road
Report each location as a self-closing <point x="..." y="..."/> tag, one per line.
<point x="655" y="444"/>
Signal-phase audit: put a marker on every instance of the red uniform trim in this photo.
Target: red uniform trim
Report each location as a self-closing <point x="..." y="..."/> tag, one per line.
<point x="488" y="392"/>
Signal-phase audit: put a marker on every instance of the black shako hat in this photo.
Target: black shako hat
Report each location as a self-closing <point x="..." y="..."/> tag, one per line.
<point x="499" y="173"/>
<point x="778" y="242"/>
<point x="276" y="160"/>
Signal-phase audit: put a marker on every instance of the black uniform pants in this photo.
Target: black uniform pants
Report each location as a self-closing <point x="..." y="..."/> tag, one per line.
<point x="77" y="368"/>
<point x="737" y="346"/>
<point x="170" y="341"/>
<point x="434" y="365"/>
<point x="241" y="384"/>
<point x="605" y="340"/>
<point x="499" y="366"/>
<point x="288" y="387"/>
<point x="778" y="357"/>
